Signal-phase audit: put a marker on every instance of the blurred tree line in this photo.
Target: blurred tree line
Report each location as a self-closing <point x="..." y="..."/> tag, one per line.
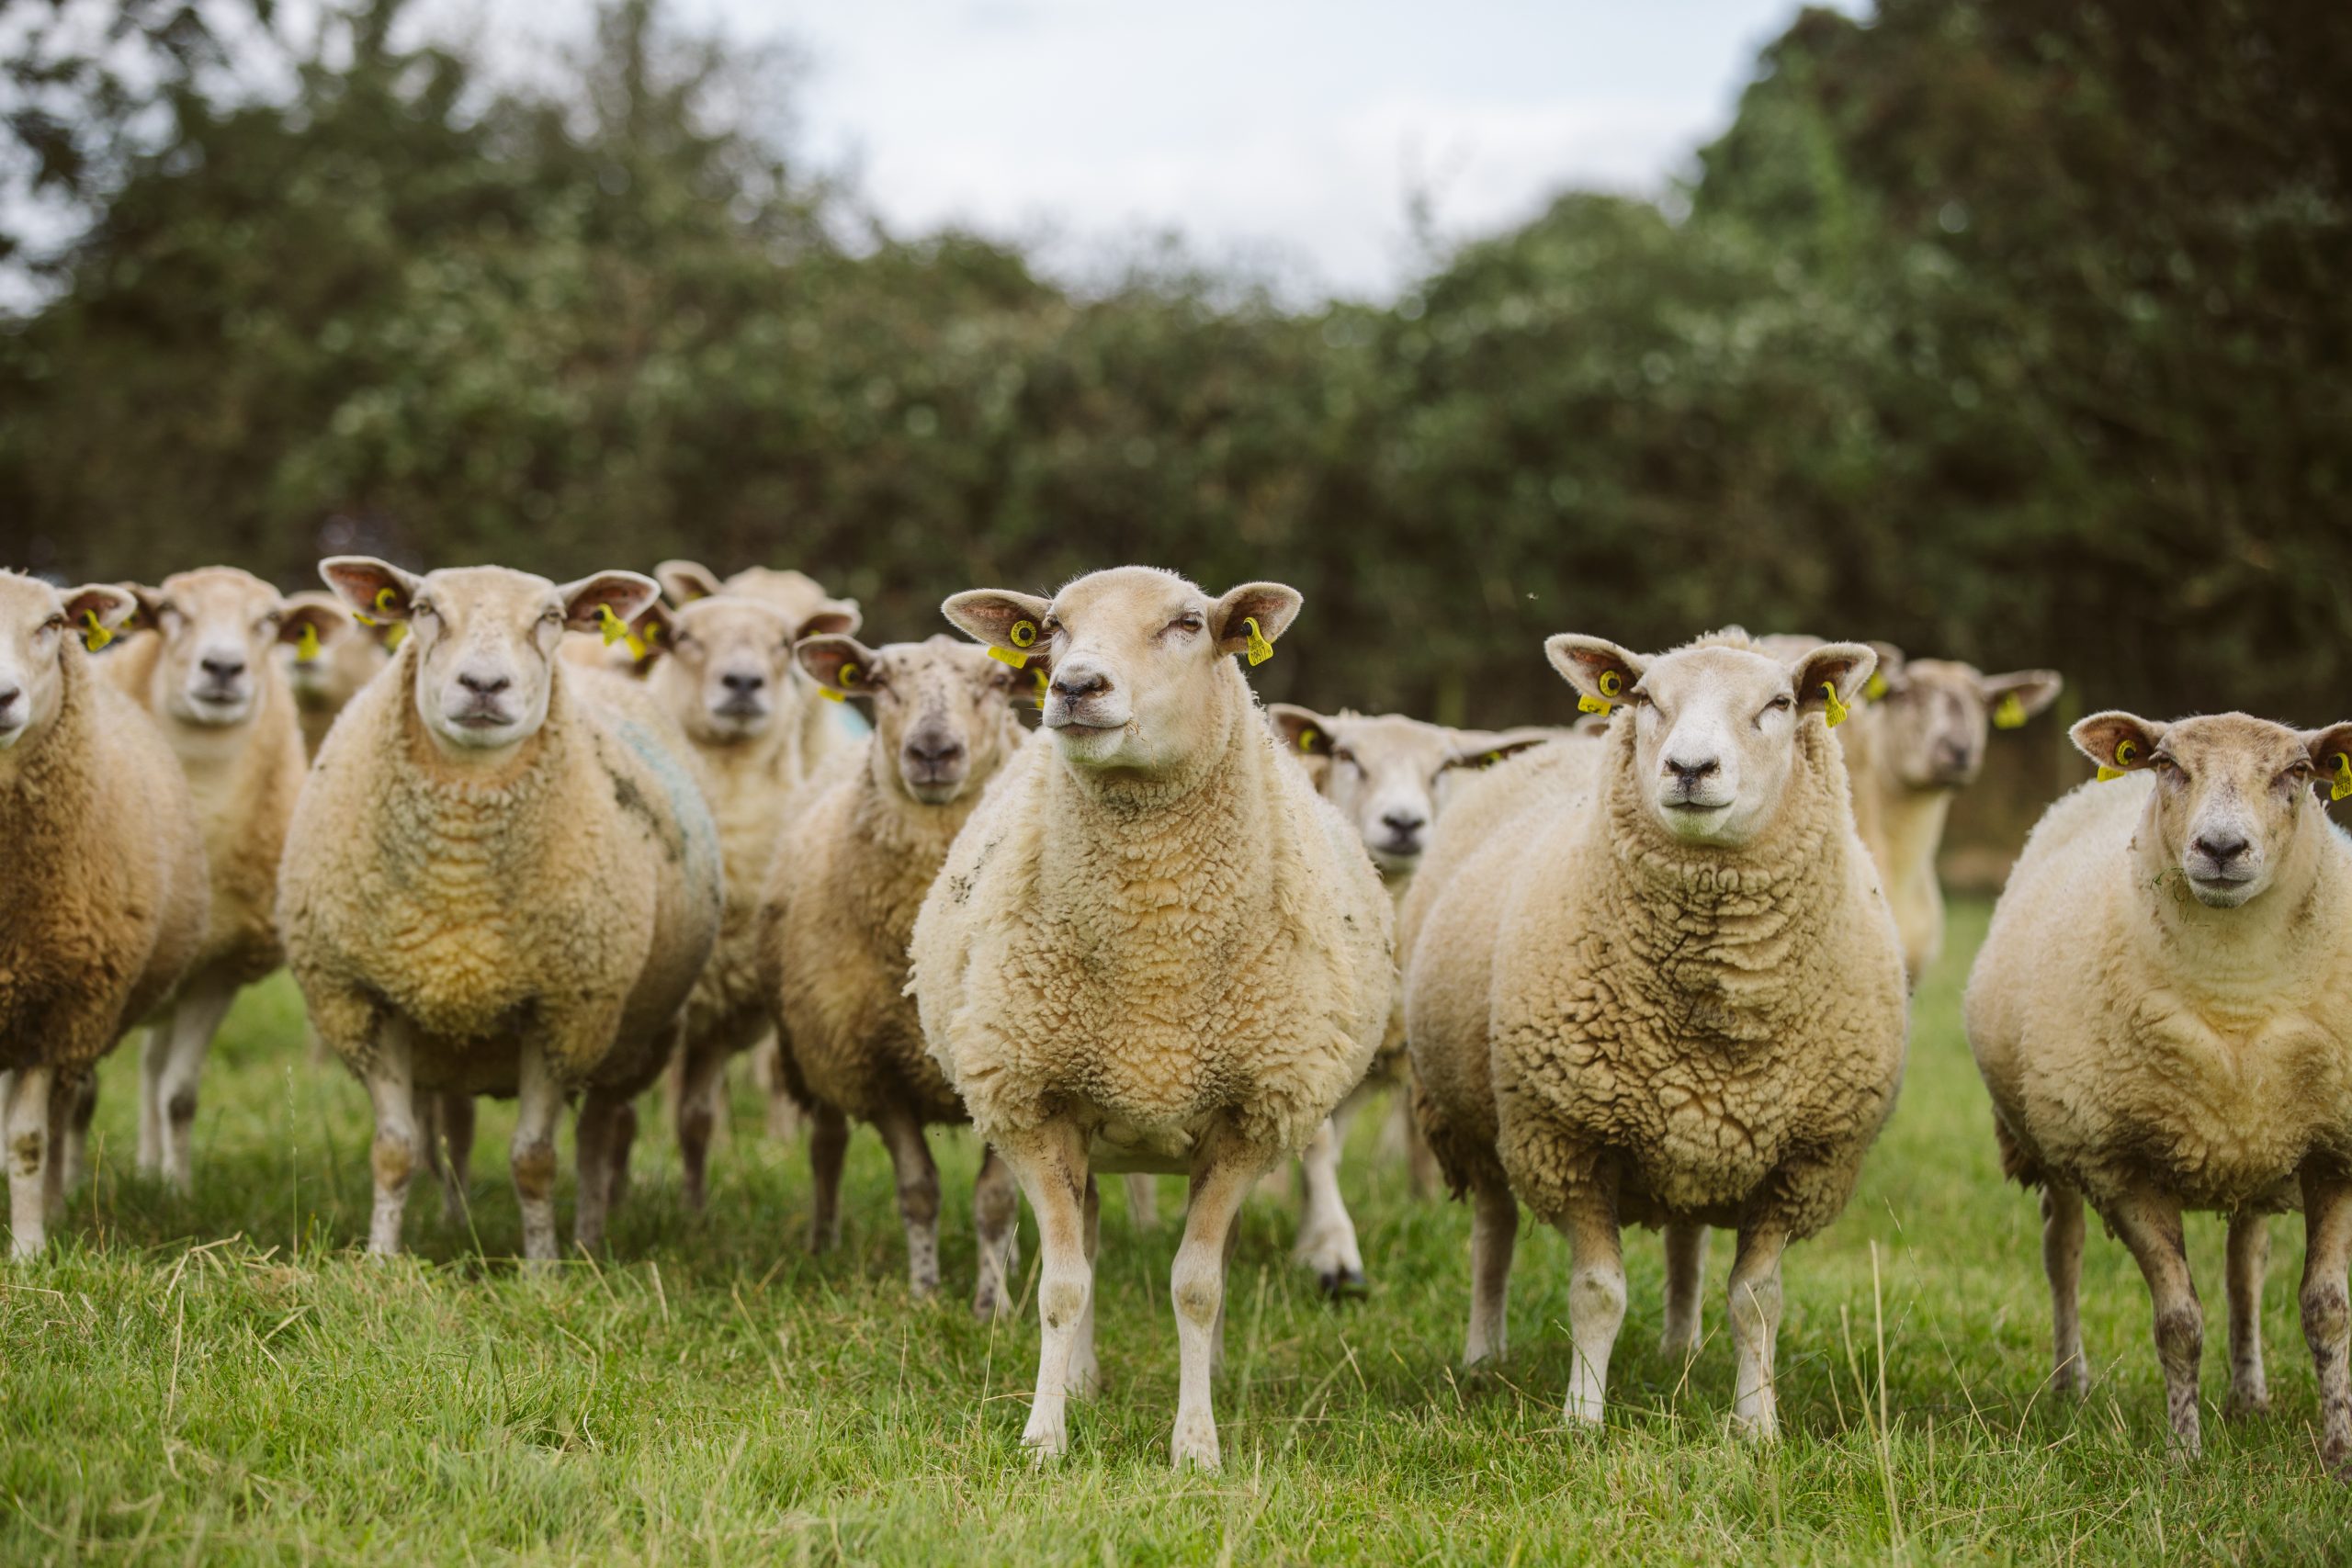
<point x="2015" y="331"/>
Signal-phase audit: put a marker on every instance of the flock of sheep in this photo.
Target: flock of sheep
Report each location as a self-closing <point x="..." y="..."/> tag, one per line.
<point x="551" y="841"/>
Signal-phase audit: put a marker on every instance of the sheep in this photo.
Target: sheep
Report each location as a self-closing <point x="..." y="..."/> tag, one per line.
<point x="503" y="879"/>
<point x="1658" y="984"/>
<point x="327" y="670"/>
<point x="203" y="661"/>
<point x="1919" y="742"/>
<point x="1152" y="946"/>
<point x="104" y="903"/>
<point x="722" y="668"/>
<point x="2159" y="1014"/>
<point x="849" y="873"/>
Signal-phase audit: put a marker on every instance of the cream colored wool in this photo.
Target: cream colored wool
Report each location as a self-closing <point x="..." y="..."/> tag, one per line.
<point x="103" y="909"/>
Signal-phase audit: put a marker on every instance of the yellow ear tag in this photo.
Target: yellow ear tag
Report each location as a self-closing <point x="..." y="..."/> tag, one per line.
<point x="617" y="630"/>
<point x="1610" y="684"/>
<point x="385" y="602"/>
<point x="1833" y="711"/>
<point x="2341" y="786"/>
<point x="1307" y="739"/>
<point x="845" y="674"/>
<point x="2009" y="712"/>
<point x="1006" y="655"/>
<point x="1258" y="648"/>
<point x="394" y="638"/>
<point x="1876" y="688"/>
<point x="1044" y="681"/>
<point x="306" y="647"/>
<point x="1024" y="634"/>
<point x="94" y="634"/>
<point x="2124" y="754"/>
<point x="1591" y="705"/>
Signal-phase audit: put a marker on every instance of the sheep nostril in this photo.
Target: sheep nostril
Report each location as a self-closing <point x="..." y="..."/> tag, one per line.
<point x="2220" y="849"/>
<point x="224" y="669"/>
<point x="744" y="684"/>
<point x="484" y="685"/>
<point x="1073" y="687"/>
<point x="1404" y="823"/>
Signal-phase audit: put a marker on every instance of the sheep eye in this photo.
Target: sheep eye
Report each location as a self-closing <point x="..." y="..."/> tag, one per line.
<point x="1342" y="754"/>
<point x="1188" y="623"/>
<point x="1781" y="705"/>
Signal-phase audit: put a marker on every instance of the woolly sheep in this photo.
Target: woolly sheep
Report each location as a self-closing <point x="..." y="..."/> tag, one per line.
<point x="849" y="875"/>
<point x="723" y="669"/>
<point x="103" y="906"/>
<point x="1659" y="985"/>
<point x="204" y="662"/>
<point x="2159" y="1011"/>
<point x="325" y="674"/>
<point x="1152" y="946"/>
<point x="502" y="879"/>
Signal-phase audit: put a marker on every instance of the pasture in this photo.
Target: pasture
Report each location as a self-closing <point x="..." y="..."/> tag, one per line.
<point x="227" y="1380"/>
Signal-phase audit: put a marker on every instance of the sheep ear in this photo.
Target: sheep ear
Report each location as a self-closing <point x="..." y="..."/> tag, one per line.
<point x="1833" y="677"/>
<point x="147" y="608"/>
<point x="838" y="618"/>
<point x="376" y="588"/>
<point x="115" y="607"/>
<point x="320" y="616"/>
<point x="1271" y="605"/>
<point x="2117" y="742"/>
<point x="1888" y="677"/>
<point x="840" y="665"/>
<point x="2019" y="695"/>
<point x="1484" y="749"/>
<point x="1302" y="729"/>
<point x="686" y="581"/>
<point x="656" y="631"/>
<point x="625" y="594"/>
<point x="1602" y="672"/>
<point x="2331" y="751"/>
<point x="1014" y="623"/>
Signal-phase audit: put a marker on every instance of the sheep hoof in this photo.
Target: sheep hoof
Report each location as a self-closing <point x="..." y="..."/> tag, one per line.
<point x="1195" y="1447"/>
<point x="1344" y="1284"/>
<point x="2247" y="1404"/>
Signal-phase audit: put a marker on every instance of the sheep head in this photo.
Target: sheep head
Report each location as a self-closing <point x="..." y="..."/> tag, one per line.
<point x="940" y="708"/>
<point x="1383" y="770"/>
<point x="1936" y="713"/>
<point x="38" y="624"/>
<point x="220" y="626"/>
<point x="721" y="662"/>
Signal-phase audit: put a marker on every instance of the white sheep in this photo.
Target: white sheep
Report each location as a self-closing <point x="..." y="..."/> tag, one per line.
<point x="850" y="872"/>
<point x="1659" y="985"/>
<point x="2162" y="1011"/>
<point x="502" y="879"/>
<point x="103" y="906"/>
<point x="204" y="662"/>
<point x="1153" y="946"/>
<point x="326" y="669"/>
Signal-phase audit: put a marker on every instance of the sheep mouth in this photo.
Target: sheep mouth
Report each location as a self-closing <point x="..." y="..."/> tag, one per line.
<point x="2223" y="890"/>
<point x="482" y="718"/>
<point x="10" y="729"/>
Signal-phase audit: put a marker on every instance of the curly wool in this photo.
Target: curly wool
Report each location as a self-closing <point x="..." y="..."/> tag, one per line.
<point x="1217" y="943"/>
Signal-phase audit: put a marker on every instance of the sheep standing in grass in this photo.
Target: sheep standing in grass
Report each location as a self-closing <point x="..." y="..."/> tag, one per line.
<point x="204" y="663"/>
<point x="2162" y="1011"/>
<point x="1153" y="946"/>
<point x="849" y="875"/>
<point x="327" y="670"/>
<point x="1658" y="984"/>
<point x="724" y="671"/>
<point x="503" y="879"/>
<point x="103" y="906"/>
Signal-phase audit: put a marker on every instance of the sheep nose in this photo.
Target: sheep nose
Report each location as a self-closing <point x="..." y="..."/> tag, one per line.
<point x="2221" y="847"/>
<point x="737" y="681"/>
<point x="484" y="685"/>
<point x="8" y="695"/>
<point x="223" y="669"/>
<point x="1403" y="822"/>
<point x="935" y="748"/>
<point x="1081" y="684"/>
<point x="1687" y="774"/>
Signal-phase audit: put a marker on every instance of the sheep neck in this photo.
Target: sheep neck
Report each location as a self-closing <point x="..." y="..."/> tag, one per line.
<point x="914" y="832"/>
<point x="472" y="800"/>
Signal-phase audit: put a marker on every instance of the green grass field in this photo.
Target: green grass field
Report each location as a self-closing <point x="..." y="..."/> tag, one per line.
<point x="226" y="1379"/>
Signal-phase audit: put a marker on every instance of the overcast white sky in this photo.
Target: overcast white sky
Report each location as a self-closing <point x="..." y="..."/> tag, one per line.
<point x="1286" y="134"/>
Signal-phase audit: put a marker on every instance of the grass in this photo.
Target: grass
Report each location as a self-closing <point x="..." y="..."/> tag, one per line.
<point x="225" y="1379"/>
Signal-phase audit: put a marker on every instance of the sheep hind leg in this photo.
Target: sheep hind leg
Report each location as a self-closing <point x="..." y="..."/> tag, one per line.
<point x="26" y="1115"/>
<point x="1755" y="1291"/>
<point x="2327" y="1312"/>
<point x="1049" y="1161"/>
<point x="828" y="1147"/>
<point x="2149" y="1223"/>
<point x="2062" y="1259"/>
<point x="996" y="1219"/>
<point x="1085" y="1372"/>
<point x="918" y="1182"/>
<point x="1224" y="1169"/>
<point x="171" y="1083"/>
<point x="1493" y="1237"/>
<point x="2249" y="1261"/>
<point x="81" y="1092"/>
<point x="454" y="1114"/>
<point x="1143" y="1202"/>
<point x="393" y="1158"/>
<point x="539" y="1112"/>
<point x="1327" y="1235"/>
<point x="605" y="1130"/>
<point x="695" y="1098"/>
<point x="1686" y="1274"/>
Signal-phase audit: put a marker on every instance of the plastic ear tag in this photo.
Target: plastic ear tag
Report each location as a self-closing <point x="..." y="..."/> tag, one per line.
<point x="1258" y="648"/>
<point x="1307" y="739"/>
<point x="2341" y="785"/>
<point x="395" y="637"/>
<point x="1592" y="704"/>
<point x="94" y="634"/>
<point x="845" y="675"/>
<point x="1044" y="681"/>
<point x="385" y="601"/>
<point x="1024" y="634"/>
<point x="1876" y="688"/>
<point x="2125" y="753"/>
<point x="306" y="647"/>
<point x="1833" y="710"/>
<point x="2009" y="712"/>
<point x="1006" y="655"/>
<point x="617" y="630"/>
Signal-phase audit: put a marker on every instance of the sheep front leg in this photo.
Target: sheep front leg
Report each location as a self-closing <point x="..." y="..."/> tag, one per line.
<point x="2328" y="1314"/>
<point x="1493" y="1237"/>
<point x="1327" y="1236"/>
<point x="828" y="1147"/>
<point x="1085" y="1378"/>
<point x="538" y="1111"/>
<point x="918" y="1182"/>
<point x="454" y="1113"/>
<point x="81" y="1096"/>
<point x="1596" y="1298"/>
<point x="168" y="1081"/>
<point x="1686" y="1274"/>
<point x="2062" y="1259"/>
<point x="26" y="1116"/>
<point x="2249" y="1263"/>
<point x="996" y="1218"/>
<point x="1143" y="1202"/>
<point x="2149" y="1223"/>
<point x="1756" y="1330"/>
<point x="393" y="1158"/>
<point x="1049" y="1161"/>
<point x="702" y="1080"/>
<point x="602" y="1138"/>
<point x="1224" y="1170"/>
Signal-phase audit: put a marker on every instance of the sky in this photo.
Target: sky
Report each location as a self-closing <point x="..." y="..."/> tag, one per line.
<point x="1283" y="136"/>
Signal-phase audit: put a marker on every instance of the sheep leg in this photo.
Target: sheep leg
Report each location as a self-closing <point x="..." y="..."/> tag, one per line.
<point x="1686" y="1274"/>
<point x="1596" y="1298"/>
<point x="828" y="1146"/>
<point x="81" y="1107"/>
<point x="601" y="1137"/>
<point x="1225" y="1297"/>
<point x="168" y="1082"/>
<point x="2149" y="1223"/>
<point x="1327" y="1236"/>
<point x="393" y="1158"/>
<point x="996" y="1216"/>
<point x="1223" y="1172"/>
<point x="538" y="1110"/>
<point x="2249" y="1261"/>
<point x="1143" y="1202"/>
<point x="1494" y="1236"/>
<point x="2062" y="1259"/>
<point x="27" y="1119"/>
<point x="1049" y="1161"/>
<point x="454" y="1112"/>
<point x="616" y="1153"/>
<point x="1085" y="1378"/>
<point x="917" y="1178"/>
<point x="702" y="1080"/>
<point x="154" y="1050"/>
<point x="1421" y="1160"/>
<point x="785" y="1119"/>
<point x="1756" y="1330"/>
<point x="2327" y="1314"/>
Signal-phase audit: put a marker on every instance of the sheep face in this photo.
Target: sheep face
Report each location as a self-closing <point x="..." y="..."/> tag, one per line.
<point x="220" y="626"/>
<point x="1937" y="713"/>
<point x="727" y="659"/>
<point x="2232" y="795"/>
<point x="483" y="639"/>
<point x="326" y="668"/>
<point x="1383" y="772"/>
<point x="1716" y="724"/>
<point x="36" y="623"/>
<point x="1133" y="654"/>
<point x="938" y="706"/>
